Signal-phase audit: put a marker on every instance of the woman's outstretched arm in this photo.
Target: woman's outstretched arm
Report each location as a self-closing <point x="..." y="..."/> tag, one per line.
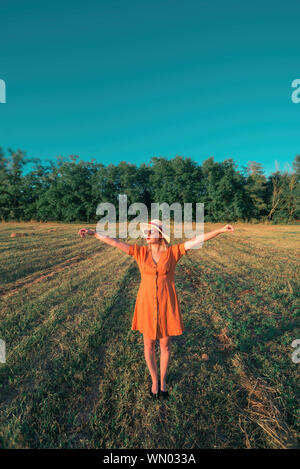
<point x="106" y="239"/>
<point x="201" y="238"/>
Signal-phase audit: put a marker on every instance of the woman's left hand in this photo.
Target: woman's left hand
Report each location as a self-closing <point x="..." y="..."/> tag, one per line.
<point x="227" y="229"/>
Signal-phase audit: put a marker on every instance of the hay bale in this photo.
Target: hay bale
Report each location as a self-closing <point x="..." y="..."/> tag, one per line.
<point x="18" y="235"/>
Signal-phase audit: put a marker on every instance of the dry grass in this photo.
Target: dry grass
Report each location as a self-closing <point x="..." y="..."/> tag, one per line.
<point x="266" y="408"/>
<point x="76" y="376"/>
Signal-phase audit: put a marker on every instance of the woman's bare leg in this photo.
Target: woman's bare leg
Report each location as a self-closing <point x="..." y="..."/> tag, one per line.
<point x="149" y="350"/>
<point x="165" y="353"/>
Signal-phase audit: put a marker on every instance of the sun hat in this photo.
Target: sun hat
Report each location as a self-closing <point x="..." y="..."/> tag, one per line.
<point x="158" y="225"/>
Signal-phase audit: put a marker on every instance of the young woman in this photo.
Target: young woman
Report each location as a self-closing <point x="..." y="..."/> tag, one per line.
<point x="157" y="312"/>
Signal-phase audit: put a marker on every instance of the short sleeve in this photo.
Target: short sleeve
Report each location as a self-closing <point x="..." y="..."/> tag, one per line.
<point x="178" y="251"/>
<point x="134" y="250"/>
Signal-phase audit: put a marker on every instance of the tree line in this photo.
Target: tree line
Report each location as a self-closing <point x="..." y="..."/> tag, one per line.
<point x="70" y="190"/>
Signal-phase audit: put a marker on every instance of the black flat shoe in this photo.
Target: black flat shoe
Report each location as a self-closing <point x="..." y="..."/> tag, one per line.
<point x="164" y="394"/>
<point x="154" y="395"/>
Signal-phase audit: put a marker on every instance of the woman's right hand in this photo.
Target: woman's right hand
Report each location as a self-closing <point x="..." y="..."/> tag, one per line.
<point x="83" y="232"/>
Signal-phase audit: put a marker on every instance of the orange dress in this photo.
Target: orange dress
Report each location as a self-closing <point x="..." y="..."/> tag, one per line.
<point x="157" y="311"/>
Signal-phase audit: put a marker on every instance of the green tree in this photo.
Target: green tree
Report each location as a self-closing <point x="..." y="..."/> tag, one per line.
<point x="177" y="180"/>
<point x="256" y="187"/>
<point x="11" y="184"/>
<point x="68" y="198"/>
<point x="225" y="196"/>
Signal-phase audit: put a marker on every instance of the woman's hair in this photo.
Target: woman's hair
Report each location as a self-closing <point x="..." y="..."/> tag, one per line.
<point x="163" y="241"/>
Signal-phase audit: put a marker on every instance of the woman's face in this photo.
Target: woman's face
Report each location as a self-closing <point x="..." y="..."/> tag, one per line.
<point x="152" y="235"/>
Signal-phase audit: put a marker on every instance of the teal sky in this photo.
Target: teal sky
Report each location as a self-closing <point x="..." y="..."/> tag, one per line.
<point x="128" y="80"/>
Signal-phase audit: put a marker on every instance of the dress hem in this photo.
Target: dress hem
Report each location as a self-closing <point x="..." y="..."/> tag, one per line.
<point x="169" y="335"/>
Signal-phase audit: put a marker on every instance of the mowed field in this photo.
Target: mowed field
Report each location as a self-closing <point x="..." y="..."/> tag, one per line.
<point x="75" y="374"/>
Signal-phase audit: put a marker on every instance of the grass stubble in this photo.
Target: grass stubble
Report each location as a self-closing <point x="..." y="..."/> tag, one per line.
<point x="75" y="374"/>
